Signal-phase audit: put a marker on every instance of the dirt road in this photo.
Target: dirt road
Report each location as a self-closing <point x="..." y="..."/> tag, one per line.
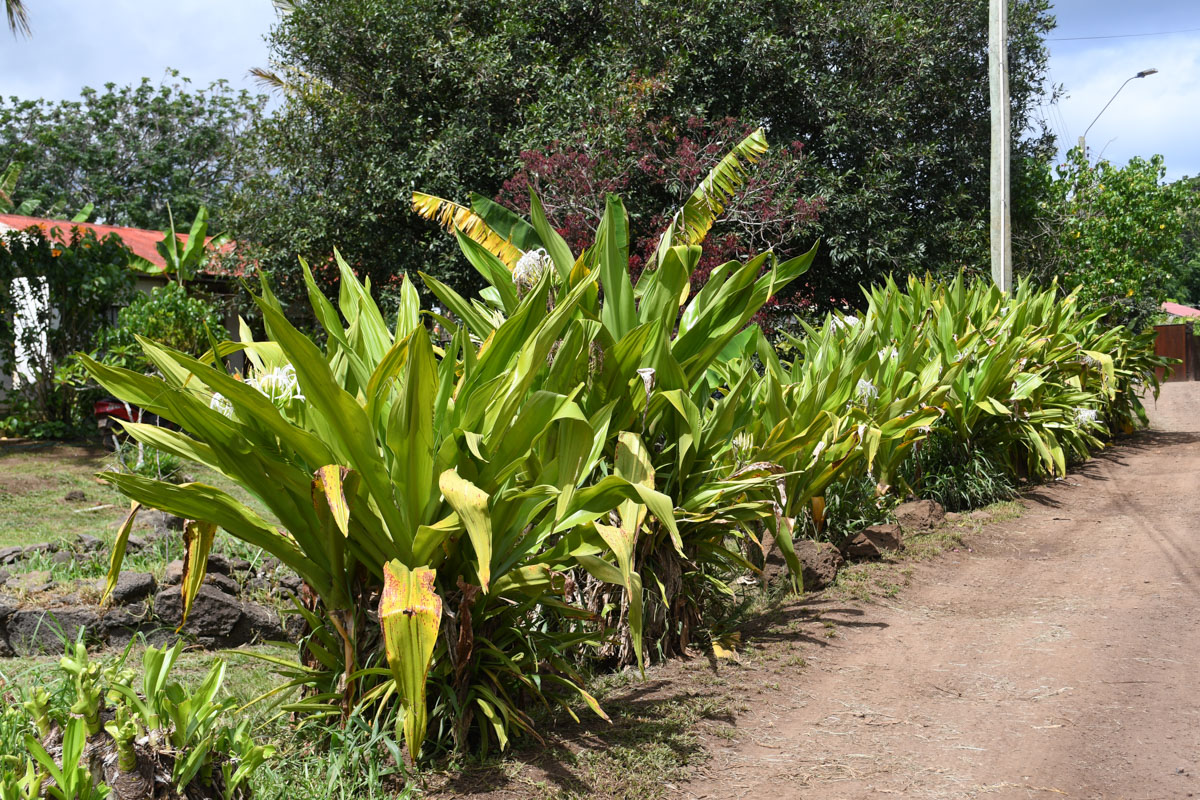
<point x="1059" y="659"/>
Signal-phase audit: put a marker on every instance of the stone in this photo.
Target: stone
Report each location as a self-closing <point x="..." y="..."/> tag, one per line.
<point x="256" y="585"/>
<point x="135" y="544"/>
<point x="873" y="542"/>
<point x="7" y="608"/>
<point x="124" y="619"/>
<point x="953" y="517"/>
<point x="173" y="573"/>
<point x="4" y="576"/>
<point x="920" y="515"/>
<point x="257" y="624"/>
<point x="223" y="582"/>
<point x="213" y="616"/>
<point x="131" y="587"/>
<point x="820" y="562"/>
<point x="240" y="565"/>
<point x="290" y="583"/>
<point x="220" y="563"/>
<point x="75" y="496"/>
<point x="40" y="547"/>
<point x="10" y="554"/>
<point x="162" y="523"/>
<point x="62" y="557"/>
<point x="88" y="544"/>
<point x="30" y="582"/>
<point x="46" y="630"/>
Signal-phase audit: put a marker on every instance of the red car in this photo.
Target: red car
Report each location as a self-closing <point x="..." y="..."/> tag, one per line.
<point x="108" y="411"/>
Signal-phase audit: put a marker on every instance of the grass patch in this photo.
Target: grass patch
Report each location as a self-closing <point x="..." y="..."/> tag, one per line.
<point x="869" y="581"/>
<point x="34" y="481"/>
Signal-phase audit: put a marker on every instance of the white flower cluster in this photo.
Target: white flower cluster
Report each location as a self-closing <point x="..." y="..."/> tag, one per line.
<point x="530" y="268"/>
<point x="1086" y="416"/>
<point x="220" y="403"/>
<point x="888" y="354"/>
<point x="866" y="390"/>
<point x="841" y="323"/>
<point x="279" y="385"/>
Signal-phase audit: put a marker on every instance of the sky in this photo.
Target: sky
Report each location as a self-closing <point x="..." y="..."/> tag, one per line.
<point x="79" y="43"/>
<point x="123" y="40"/>
<point x="1156" y="114"/>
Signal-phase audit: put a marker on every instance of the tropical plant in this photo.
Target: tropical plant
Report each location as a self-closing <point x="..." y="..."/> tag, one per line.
<point x="675" y="418"/>
<point x="182" y="262"/>
<point x="126" y="743"/>
<point x="457" y="483"/>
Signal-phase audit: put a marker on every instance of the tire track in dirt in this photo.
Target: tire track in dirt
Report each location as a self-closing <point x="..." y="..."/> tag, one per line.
<point x="1056" y="660"/>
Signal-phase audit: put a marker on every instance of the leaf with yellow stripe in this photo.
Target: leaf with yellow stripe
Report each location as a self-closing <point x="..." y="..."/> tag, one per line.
<point x="410" y="613"/>
<point x="197" y="542"/>
<point x="693" y="222"/>
<point x="454" y="217"/>
<point x="118" y="553"/>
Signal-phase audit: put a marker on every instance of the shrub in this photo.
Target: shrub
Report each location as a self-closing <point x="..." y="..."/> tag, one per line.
<point x="68" y="289"/>
<point x="101" y="730"/>
<point x="167" y="315"/>
<point x="580" y="466"/>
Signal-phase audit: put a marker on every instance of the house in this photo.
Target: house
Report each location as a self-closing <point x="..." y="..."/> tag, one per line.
<point x="1177" y="310"/>
<point x="214" y="278"/>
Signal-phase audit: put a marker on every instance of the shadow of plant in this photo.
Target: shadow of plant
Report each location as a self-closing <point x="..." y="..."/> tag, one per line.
<point x="652" y="738"/>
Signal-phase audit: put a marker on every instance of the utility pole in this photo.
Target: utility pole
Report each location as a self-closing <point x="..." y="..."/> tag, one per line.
<point x="1001" y="234"/>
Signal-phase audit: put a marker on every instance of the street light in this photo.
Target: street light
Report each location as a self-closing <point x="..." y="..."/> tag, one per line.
<point x="1082" y="139"/>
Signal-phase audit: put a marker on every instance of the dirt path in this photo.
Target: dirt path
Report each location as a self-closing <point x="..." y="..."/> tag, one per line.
<point x="1059" y="659"/>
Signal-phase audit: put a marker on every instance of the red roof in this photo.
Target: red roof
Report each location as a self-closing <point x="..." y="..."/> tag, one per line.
<point x="1180" y="311"/>
<point x="142" y="242"/>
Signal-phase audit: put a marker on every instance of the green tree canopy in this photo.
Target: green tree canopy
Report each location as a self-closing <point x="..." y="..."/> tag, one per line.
<point x="130" y="150"/>
<point x="1118" y="232"/>
<point x="890" y="102"/>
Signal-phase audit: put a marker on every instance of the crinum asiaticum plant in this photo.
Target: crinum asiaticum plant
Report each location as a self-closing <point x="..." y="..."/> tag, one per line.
<point x="457" y="479"/>
<point x="683" y="415"/>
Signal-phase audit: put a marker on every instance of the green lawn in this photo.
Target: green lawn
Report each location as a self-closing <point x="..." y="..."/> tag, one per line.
<point x="34" y="479"/>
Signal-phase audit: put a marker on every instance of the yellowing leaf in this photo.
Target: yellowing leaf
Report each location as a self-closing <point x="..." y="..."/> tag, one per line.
<point x="197" y="542"/>
<point x="410" y="613"/>
<point x="118" y="552"/>
<point x="328" y="490"/>
<point x="453" y="217"/>
<point x="471" y="504"/>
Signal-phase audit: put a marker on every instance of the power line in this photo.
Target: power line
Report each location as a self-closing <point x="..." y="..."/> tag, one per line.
<point x="1117" y="36"/>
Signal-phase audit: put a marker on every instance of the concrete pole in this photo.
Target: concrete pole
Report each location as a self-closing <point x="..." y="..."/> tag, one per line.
<point x="1001" y="233"/>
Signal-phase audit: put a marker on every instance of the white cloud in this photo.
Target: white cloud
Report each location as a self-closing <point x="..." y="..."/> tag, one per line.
<point x="1156" y="114"/>
<point x="77" y="43"/>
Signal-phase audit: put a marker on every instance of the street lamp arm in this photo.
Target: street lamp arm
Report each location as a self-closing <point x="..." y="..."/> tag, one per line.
<point x="1106" y="105"/>
<point x="1141" y="74"/>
